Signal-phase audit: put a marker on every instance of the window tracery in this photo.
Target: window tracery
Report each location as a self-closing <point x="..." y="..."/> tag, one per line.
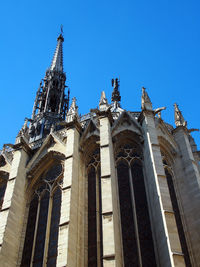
<point x="138" y="249"/>
<point x="40" y="245"/>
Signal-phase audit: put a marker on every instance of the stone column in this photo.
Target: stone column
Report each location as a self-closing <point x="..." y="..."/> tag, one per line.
<point x="188" y="182"/>
<point x="13" y="209"/>
<point x="112" y="250"/>
<point x="68" y="250"/>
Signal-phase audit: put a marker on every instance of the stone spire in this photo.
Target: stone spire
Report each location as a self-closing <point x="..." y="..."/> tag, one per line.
<point x="146" y="102"/>
<point x="179" y="120"/>
<point x="103" y="103"/>
<point x="57" y="62"/>
<point x="72" y="114"/>
<point x="51" y="103"/>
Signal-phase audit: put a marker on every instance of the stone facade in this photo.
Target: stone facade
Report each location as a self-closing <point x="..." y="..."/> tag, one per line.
<point x="110" y="188"/>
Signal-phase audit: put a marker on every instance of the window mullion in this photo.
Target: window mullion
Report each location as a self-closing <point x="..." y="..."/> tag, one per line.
<point x="47" y="230"/>
<point x="135" y="216"/>
<point x="98" y="221"/>
<point x="35" y="232"/>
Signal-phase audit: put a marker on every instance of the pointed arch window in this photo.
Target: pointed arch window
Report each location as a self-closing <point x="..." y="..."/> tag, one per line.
<point x="3" y="185"/>
<point x="94" y="211"/>
<point x="138" y="248"/>
<point x="176" y="210"/>
<point x="41" y="239"/>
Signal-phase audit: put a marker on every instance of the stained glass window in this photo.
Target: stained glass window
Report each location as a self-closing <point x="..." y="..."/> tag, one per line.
<point x="95" y="250"/>
<point x="3" y="185"/>
<point x="44" y="210"/>
<point x="130" y="249"/>
<point x="55" y="219"/>
<point x="138" y="247"/>
<point x="92" y="220"/>
<point x="143" y="220"/>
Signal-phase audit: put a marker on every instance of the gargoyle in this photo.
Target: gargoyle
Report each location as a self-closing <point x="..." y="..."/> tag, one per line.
<point x="193" y="130"/>
<point x="158" y="111"/>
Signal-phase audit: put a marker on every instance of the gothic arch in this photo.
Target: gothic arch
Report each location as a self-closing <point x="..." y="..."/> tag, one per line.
<point x="167" y="149"/>
<point x="43" y="208"/>
<point x="90" y="131"/>
<point x="126" y="121"/>
<point x="128" y="137"/>
<point x="87" y="146"/>
<point x="39" y="167"/>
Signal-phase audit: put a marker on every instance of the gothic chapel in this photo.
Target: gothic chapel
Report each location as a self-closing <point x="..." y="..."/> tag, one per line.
<point x="109" y="188"/>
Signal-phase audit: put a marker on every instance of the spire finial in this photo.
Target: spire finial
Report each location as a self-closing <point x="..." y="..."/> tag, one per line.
<point x="61" y="29"/>
<point x="179" y="120"/>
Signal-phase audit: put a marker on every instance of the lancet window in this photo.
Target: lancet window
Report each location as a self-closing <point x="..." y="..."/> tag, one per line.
<point x="41" y="239"/>
<point x="94" y="210"/>
<point x="176" y="210"/>
<point x="3" y="185"/>
<point x="138" y="248"/>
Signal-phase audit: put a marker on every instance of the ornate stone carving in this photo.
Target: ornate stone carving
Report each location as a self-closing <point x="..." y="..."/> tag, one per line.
<point x="179" y="120"/>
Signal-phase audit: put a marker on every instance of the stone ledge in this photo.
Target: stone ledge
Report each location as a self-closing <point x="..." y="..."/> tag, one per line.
<point x="12" y="178"/>
<point x="63" y="224"/>
<point x="109" y="257"/>
<point x="169" y="211"/>
<point x="68" y="157"/>
<point x="107" y="213"/>
<point x="105" y="176"/>
<point x="66" y="187"/>
<point x="177" y="253"/>
<point x="106" y="145"/>
<point x="5" y="209"/>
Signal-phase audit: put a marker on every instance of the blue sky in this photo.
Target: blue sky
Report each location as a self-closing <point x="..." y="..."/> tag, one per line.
<point x="155" y="44"/>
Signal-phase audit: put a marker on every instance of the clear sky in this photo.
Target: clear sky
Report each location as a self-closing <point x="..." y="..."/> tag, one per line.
<point x="155" y="44"/>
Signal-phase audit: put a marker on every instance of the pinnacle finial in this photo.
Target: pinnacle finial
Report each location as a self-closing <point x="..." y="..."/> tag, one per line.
<point x="146" y="102"/>
<point x="115" y="94"/>
<point x="72" y="113"/>
<point x="179" y="120"/>
<point x="103" y="103"/>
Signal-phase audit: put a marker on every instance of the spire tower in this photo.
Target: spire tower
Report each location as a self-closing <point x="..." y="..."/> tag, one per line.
<point x="51" y="103"/>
